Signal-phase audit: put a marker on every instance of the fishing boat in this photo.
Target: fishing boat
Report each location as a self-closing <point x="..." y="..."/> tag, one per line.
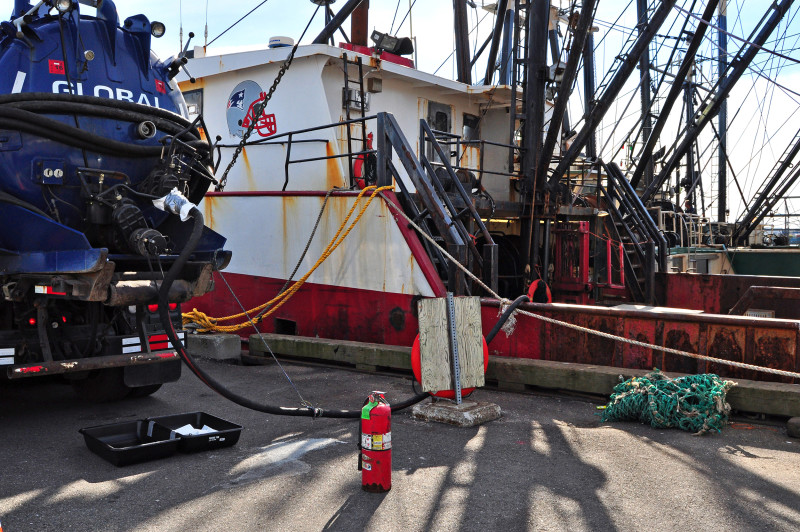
<point x="352" y="184"/>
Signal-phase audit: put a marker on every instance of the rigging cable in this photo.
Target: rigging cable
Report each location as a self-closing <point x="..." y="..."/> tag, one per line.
<point x="257" y="112"/>
<point x="407" y="15"/>
<point x="396" y="9"/>
<point x="241" y="19"/>
<point x="744" y="41"/>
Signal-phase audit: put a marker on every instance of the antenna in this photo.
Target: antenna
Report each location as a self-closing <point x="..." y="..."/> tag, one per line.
<point x="180" y="11"/>
<point x="205" y="42"/>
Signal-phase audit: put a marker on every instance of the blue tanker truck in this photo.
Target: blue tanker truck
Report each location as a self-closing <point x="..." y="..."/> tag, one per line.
<point x="98" y="164"/>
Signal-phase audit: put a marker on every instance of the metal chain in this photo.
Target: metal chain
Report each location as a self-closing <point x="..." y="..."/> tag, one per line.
<point x="504" y="301"/>
<point x="260" y="110"/>
<point x="256" y="115"/>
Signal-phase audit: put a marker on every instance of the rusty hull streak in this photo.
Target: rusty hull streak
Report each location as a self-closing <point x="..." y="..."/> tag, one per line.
<point x="334" y="172"/>
<point x="208" y="210"/>
<point x="248" y="170"/>
<point x="470" y="157"/>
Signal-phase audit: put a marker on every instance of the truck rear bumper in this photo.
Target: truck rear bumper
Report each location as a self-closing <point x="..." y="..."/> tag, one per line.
<point x="88" y="364"/>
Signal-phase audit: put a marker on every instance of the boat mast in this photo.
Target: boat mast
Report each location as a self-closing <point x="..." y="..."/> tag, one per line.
<point x="743" y="59"/>
<point x="559" y="112"/>
<point x="589" y="88"/>
<point x="677" y="86"/>
<point x="627" y="64"/>
<point x="538" y="18"/>
<point x="642" y="14"/>
<point x="359" y="25"/>
<point x="722" y="66"/>
<point x="555" y="55"/>
<point x="463" y="67"/>
<point x="497" y="33"/>
<point x="688" y="182"/>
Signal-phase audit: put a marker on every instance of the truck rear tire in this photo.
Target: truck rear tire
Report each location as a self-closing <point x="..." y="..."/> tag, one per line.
<point x="102" y="386"/>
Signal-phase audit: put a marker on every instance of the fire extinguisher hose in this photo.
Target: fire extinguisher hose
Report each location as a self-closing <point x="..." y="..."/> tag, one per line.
<point x="213" y="383"/>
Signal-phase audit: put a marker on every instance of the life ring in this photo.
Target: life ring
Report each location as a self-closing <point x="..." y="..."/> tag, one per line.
<point x="539" y="292"/>
<point x="416" y="367"/>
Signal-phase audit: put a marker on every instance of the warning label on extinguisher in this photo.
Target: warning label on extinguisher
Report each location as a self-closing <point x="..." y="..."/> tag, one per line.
<point x="376" y="442"/>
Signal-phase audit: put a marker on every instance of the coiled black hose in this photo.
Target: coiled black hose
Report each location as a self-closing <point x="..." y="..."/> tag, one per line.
<point x="210" y="381"/>
<point x="23" y="112"/>
<point x="51" y="129"/>
<point x="63" y="98"/>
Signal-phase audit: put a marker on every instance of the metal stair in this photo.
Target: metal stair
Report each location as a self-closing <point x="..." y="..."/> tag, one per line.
<point x="630" y="223"/>
<point x="432" y="208"/>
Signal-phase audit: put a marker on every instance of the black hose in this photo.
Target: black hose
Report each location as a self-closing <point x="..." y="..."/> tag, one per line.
<point x="66" y="108"/>
<point x="21" y="112"/>
<point x="93" y="100"/>
<point x="57" y="131"/>
<point x="59" y="108"/>
<point x="211" y="382"/>
<point x="5" y="197"/>
<point x="52" y="129"/>
<point x="507" y="314"/>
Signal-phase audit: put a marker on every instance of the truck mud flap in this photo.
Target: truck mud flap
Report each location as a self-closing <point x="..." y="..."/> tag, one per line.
<point x="149" y="374"/>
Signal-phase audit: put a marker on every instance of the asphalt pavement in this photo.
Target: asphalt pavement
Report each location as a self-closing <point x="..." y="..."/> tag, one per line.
<point x="547" y="464"/>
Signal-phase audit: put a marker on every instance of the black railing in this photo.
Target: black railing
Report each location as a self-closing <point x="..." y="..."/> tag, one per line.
<point x="636" y="229"/>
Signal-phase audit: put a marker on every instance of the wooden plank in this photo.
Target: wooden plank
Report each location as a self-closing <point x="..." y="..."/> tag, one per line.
<point x="434" y="354"/>
<point x="773" y="398"/>
<point x="434" y="338"/>
<point x="470" y="341"/>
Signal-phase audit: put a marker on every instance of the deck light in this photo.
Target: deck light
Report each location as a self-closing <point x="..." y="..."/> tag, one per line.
<point x="157" y="29"/>
<point x="63" y="5"/>
<point x="393" y="45"/>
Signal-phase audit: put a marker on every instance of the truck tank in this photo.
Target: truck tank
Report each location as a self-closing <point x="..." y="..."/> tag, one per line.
<point x="92" y="131"/>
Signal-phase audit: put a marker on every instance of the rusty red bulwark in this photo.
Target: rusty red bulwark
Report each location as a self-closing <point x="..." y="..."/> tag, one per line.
<point x="771" y="343"/>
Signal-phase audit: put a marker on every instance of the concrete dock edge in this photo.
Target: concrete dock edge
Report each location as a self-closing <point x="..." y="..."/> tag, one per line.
<point x="516" y="374"/>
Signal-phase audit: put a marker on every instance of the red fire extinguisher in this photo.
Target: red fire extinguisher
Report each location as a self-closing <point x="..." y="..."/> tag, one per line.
<point x="375" y="461"/>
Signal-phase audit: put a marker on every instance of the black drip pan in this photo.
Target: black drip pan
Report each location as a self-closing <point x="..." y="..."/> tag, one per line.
<point x="218" y="432"/>
<point x="130" y="442"/>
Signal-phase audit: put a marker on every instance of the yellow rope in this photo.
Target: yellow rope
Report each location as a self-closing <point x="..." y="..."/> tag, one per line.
<point x="208" y="323"/>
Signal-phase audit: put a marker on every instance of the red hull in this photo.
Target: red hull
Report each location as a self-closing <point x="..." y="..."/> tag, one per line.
<point x="387" y="318"/>
<point x="317" y="310"/>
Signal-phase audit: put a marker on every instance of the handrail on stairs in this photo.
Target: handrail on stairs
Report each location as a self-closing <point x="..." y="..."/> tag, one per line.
<point x="435" y="201"/>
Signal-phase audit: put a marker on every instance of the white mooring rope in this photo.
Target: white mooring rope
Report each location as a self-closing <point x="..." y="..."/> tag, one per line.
<point x="504" y="301"/>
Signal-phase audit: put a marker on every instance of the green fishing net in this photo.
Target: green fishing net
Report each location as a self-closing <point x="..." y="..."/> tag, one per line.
<point x="695" y="402"/>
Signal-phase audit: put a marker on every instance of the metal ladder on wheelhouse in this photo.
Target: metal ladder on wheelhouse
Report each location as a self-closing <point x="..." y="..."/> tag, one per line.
<point x="354" y="99"/>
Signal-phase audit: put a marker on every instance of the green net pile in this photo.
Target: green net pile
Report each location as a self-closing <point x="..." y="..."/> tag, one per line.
<point x="695" y="403"/>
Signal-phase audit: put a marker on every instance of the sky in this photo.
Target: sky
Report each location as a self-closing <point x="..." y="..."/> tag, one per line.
<point x="763" y="111"/>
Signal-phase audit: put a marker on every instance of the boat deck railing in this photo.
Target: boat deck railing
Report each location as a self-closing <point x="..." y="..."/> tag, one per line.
<point x="689" y="230"/>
